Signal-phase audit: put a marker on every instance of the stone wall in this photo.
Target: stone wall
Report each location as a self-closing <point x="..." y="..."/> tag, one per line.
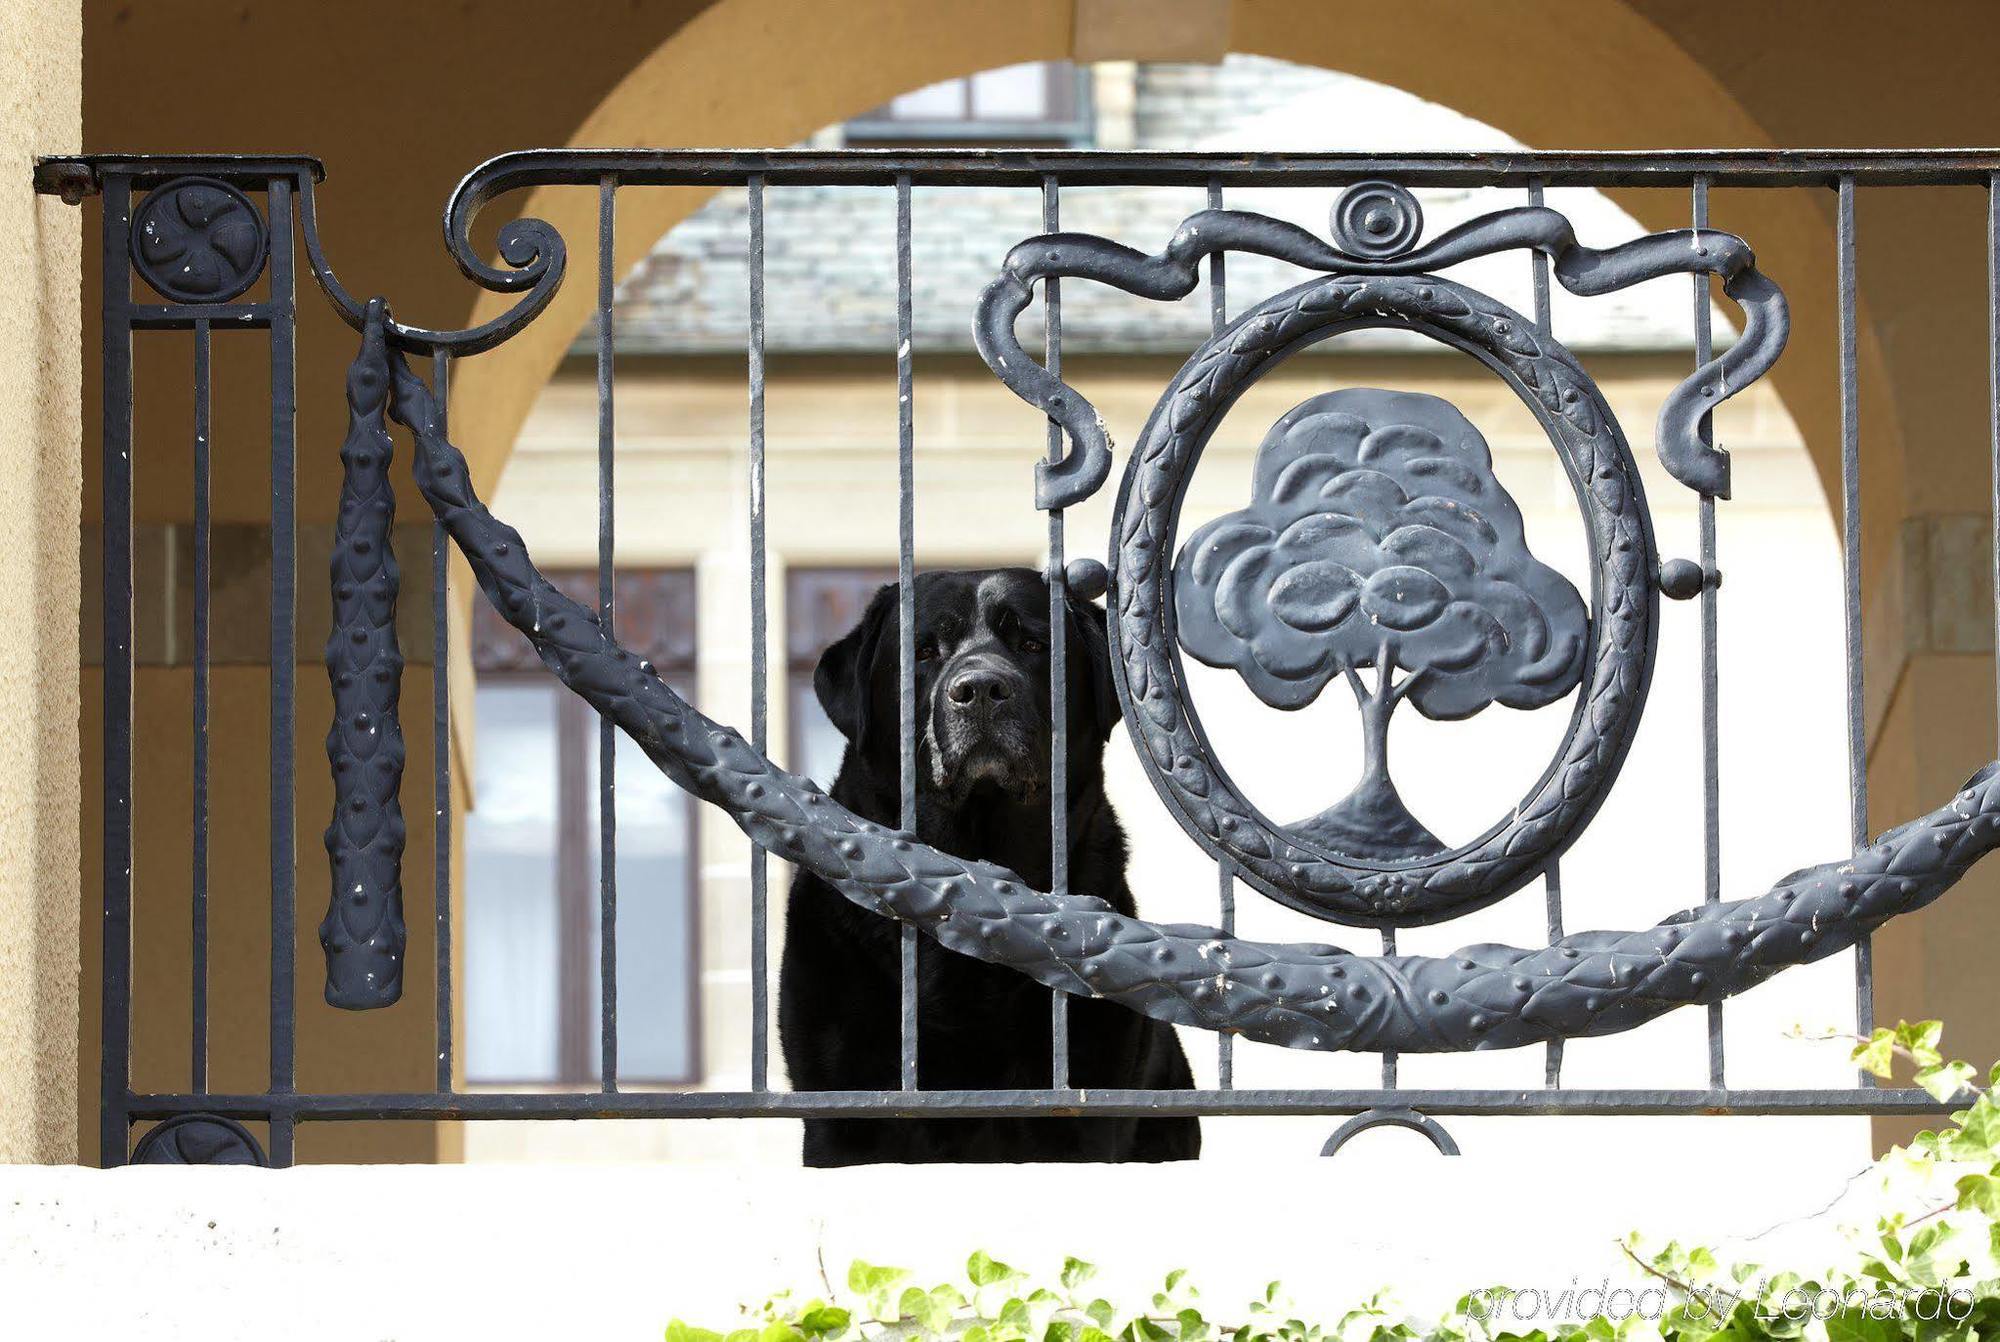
<point x="41" y="112"/>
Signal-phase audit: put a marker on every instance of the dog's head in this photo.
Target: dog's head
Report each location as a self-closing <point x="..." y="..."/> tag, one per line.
<point x="983" y="703"/>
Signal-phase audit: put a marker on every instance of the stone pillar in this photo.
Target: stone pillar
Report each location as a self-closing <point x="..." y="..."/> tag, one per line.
<point x="1930" y="690"/>
<point x="41" y="80"/>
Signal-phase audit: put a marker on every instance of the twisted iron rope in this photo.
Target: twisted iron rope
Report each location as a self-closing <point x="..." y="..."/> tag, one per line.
<point x="363" y="933"/>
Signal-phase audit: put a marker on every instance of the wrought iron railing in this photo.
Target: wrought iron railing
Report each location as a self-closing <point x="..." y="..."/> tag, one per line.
<point x="192" y="230"/>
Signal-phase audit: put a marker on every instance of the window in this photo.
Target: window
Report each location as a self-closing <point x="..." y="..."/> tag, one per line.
<point x="532" y="861"/>
<point x="821" y="604"/>
<point x="1043" y="102"/>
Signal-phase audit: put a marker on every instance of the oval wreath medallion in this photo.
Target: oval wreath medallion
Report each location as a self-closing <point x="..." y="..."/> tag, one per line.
<point x="1618" y="662"/>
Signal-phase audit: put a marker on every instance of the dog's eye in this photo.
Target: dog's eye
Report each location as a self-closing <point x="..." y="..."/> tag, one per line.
<point x="1031" y="645"/>
<point x="927" y="651"/>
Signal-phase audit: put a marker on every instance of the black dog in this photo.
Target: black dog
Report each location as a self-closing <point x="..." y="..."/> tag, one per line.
<point x="983" y="738"/>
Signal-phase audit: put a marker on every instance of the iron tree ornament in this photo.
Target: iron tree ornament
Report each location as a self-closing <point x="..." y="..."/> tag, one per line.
<point x="1377" y="538"/>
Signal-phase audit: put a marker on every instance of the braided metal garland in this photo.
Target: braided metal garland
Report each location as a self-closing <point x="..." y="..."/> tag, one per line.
<point x="1302" y="996"/>
<point x="363" y="934"/>
<point x="1177" y="759"/>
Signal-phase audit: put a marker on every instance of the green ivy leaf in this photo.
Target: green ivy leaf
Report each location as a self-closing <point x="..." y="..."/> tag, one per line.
<point x="868" y="1279"/>
<point x="826" y="1321"/>
<point x="1946" y="1081"/>
<point x="915" y="1303"/>
<point x="1193" y="1328"/>
<point x="1921" y="1038"/>
<point x="1876" y="1055"/>
<point x="984" y="1271"/>
<point x="678" y="1331"/>
<point x="1101" y="1313"/>
<point x="1075" y="1272"/>
<point x="1015" y="1319"/>
<point x="1979" y="1193"/>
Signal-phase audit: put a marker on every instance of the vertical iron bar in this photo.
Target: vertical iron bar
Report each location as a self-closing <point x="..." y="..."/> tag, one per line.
<point x="1552" y="1063"/>
<point x="198" y="931"/>
<point x="1711" y="678"/>
<point x="284" y="655"/>
<point x="1218" y="282"/>
<point x="1225" y="1042"/>
<point x="1993" y="395"/>
<point x="1850" y="544"/>
<point x="1538" y="267"/>
<point x="115" y="1026"/>
<point x="607" y="736"/>
<point x="1225" y="871"/>
<point x="906" y="605"/>
<point x="1389" y="1059"/>
<point x="760" y="988"/>
<point x="1058" y="650"/>
<point x="441" y="752"/>
<point x="1538" y="274"/>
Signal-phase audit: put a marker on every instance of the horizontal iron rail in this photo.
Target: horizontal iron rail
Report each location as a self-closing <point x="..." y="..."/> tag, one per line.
<point x="1030" y="167"/>
<point x="184" y="316"/>
<point x="1030" y="1103"/>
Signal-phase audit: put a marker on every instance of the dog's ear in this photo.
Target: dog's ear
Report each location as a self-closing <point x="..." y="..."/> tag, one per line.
<point x="844" y="680"/>
<point x="1093" y="696"/>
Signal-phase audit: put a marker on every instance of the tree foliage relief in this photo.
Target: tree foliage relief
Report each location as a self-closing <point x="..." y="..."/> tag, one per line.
<point x="1378" y="539"/>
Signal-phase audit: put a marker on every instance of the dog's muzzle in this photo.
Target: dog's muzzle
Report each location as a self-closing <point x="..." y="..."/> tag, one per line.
<point x="985" y="727"/>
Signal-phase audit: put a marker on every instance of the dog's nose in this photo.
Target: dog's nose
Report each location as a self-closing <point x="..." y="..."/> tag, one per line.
<point x="968" y="687"/>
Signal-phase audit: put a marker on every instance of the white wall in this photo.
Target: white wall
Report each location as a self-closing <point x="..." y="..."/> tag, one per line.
<point x="611" y="1254"/>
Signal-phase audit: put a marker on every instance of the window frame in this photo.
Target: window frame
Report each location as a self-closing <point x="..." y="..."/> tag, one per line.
<point x="670" y="644"/>
<point x="1071" y="121"/>
<point x="806" y="643"/>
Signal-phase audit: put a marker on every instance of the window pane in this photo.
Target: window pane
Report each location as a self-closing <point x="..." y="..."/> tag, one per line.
<point x="656" y="965"/>
<point x="938" y="102"/>
<point x="511" y="951"/>
<point x="816" y="741"/>
<point x="1016" y="93"/>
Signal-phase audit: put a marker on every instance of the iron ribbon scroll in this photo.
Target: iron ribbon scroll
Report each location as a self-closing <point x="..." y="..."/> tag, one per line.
<point x="363" y="933"/>
<point x="1625" y="604"/>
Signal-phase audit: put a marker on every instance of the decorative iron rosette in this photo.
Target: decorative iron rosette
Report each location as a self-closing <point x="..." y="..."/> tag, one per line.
<point x="198" y="1139"/>
<point x="198" y="240"/>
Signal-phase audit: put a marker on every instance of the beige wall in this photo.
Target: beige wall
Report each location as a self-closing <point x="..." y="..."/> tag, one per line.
<point x="363" y="88"/>
<point x="41" y="112"/>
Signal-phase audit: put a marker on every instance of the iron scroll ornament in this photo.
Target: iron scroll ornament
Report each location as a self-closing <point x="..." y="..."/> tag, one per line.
<point x="1173" y="272"/>
<point x="536" y="261"/>
<point x="1302" y="996"/>
<point x="1281" y="863"/>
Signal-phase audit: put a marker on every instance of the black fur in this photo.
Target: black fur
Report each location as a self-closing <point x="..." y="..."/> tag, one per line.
<point x="982" y="769"/>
